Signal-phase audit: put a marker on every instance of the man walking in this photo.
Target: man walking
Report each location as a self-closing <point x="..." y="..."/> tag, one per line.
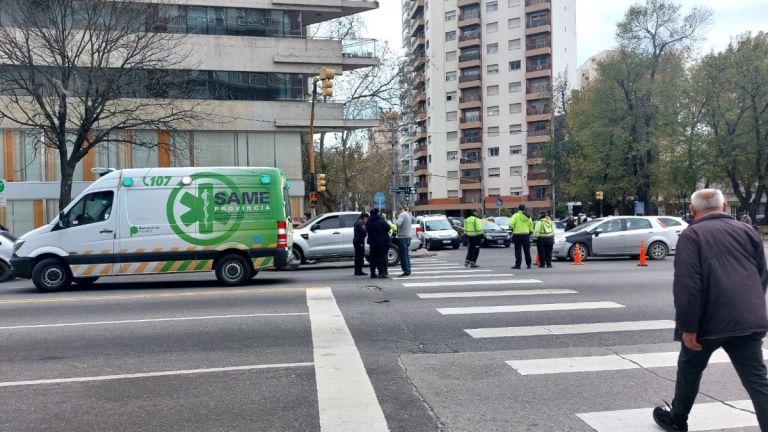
<point x="358" y="241"/>
<point x="378" y="238"/>
<point x="522" y="227"/>
<point x="544" y="236"/>
<point x="719" y="290"/>
<point x="403" y="221"/>
<point x="473" y="229"/>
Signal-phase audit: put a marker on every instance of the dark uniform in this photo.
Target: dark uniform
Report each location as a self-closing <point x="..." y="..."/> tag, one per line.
<point x="358" y="242"/>
<point x="378" y="238"/>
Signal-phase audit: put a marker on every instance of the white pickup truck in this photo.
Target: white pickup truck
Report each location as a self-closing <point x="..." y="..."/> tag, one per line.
<point x="328" y="237"/>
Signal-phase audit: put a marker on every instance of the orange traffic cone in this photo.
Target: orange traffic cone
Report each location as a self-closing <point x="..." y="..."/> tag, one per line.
<point x="538" y="260"/>
<point x="577" y="256"/>
<point x="643" y="261"/>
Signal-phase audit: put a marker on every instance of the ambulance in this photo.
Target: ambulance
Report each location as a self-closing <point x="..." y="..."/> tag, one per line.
<point x="231" y="220"/>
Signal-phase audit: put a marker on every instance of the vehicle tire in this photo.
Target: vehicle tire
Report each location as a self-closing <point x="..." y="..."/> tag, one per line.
<point x="5" y="271"/>
<point x="429" y="246"/>
<point x="393" y="256"/>
<point x="85" y="281"/>
<point x="657" y="251"/>
<point x="233" y="270"/>
<point x="51" y="274"/>
<point x="506" y="245"/>
<point x="584" y="252"/>
<point x="455" y="245"/>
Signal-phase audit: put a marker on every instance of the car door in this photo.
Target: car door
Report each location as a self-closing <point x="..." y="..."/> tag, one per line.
<point x="610" y="240"/>
<point x="347" y="222"/>
<point x="638" y="230"/>
<point x="325" y="237"/>
<point x="672" y="229"/>
<point x="89" y="235"/>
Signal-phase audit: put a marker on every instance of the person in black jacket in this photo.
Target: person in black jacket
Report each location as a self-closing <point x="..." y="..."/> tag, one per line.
<point x="358" y="241"/>
<point x="719" y="291"/>
<point x="378" y="238"/>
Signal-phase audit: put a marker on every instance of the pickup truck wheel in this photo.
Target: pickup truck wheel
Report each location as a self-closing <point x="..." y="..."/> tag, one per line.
<point x="85" y="281"/>
<point x="233" y="270"/>
<point x="51" y="274"/>
<point x="5" y="271"/>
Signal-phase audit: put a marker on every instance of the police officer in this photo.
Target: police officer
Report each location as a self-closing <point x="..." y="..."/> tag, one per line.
<point x="473" y="229"/>
<point x="544" y="236"/>
<point x="378" y="238"/>
<point x="359" y="243"/>
<point x="522" y="227"/>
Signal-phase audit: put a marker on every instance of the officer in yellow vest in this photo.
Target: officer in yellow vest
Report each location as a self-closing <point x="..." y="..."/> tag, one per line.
<point x="473" y="229"/>
<point x="522" y="227"/>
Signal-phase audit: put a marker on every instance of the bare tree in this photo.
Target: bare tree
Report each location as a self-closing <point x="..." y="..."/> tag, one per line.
<point x="79" y="72"/>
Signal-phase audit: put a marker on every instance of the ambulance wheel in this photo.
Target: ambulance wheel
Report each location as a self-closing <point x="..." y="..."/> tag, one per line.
<point x="5" y="271"/>
<point x="233" y="270"/>
<point x="51" y="274"/>
<point x="85" y="281"/>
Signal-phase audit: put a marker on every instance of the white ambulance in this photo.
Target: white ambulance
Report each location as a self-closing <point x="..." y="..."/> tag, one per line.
<point x="232" y="220"/>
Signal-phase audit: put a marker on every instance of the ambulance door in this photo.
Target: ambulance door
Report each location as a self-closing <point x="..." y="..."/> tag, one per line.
<point x="89" y="234"/>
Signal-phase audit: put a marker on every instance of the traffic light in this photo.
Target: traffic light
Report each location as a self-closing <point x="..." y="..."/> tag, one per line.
<point x="321" y="182"/>
<point x="326" y="83"/>
<point x="313" y="199"/>
<point x="599" y="195"/>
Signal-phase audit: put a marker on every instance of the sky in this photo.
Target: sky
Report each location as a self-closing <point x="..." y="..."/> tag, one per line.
<point x="596" y="22"/>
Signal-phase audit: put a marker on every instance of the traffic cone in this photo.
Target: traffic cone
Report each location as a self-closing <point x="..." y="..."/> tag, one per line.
<point x="538" y="260"/>
<point x="643" y="261"/>
<point x="577" y="256"/>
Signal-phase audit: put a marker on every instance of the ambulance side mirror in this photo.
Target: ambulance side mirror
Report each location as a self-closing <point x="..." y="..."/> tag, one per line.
<point x="63" y="221"/>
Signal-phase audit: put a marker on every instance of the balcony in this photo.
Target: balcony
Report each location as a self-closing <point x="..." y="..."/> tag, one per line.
<point x="420" y="116"/>
<point x="469" y="18"/>
<point x="421" y="97"/>
<point x="420" y="152"/>
<point x="532" y="23"/>
<point x="462" y="3"/>
<point x="421" y="202"/>
<point x="471" y="200"/>
<point x="533" y="66"/>
<point x="538" y="91"/>
<point x="538" y="46"/>
<point x="537" y="5"/>
<point x="474" y="100"/>
<point x="538" y="136"/>
<point x="416" y="7"/>
<point x="470" y="142"/>
<point x="471" y="121"/>
<point x="469" y="81"/>
<point x="539" y="198"/>
<point x="468" y="164"/>
<point x="419" y="136"/>
<point x="417" y="24"/>
<point x="470" y="183"/>
<point x="470" y="56"/>
<point x="470" y="38"/>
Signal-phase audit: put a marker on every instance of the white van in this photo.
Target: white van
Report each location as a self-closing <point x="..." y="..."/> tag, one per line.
<point x="233" y="220"/>
<point x="437" y="232"/>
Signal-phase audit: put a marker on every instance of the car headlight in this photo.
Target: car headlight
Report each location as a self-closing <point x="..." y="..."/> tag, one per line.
<point x="18" y="245"/>
<point x="488" y="237"/>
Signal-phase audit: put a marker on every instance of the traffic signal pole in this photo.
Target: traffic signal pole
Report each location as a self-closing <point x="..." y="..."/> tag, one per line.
<point x="326" y="75"/>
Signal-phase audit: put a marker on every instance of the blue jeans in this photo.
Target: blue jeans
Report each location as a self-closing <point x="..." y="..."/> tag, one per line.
<point x="404" y="244"/>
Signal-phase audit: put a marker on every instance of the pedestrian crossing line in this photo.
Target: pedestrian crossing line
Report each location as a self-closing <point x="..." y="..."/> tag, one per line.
<point x="605" y="363"/>
<point x="469" y="294"/>
<point x="450" y="271"/>
<point x="474" y="282"/>
<point x="427" y="260"/>
<point x="703" y="417"/>
<point x="454" y="276"/>
<point x="567" y="329"/>
<point x="529" y="308"/>
<point x="440" y="267"/>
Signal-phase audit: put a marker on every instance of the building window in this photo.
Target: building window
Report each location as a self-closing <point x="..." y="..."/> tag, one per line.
<point x="452" y="155"/>
<point x="513" y="23"/>
<point x="493" y="131"/>
<point x="494" y="172"/>
<point x="493" y="49"/>
<point x="515" y="128"/>
<point x="452" y="136"/>
<point x="450" y="15"/>
<point x="450" y="36"/>
<point x="452" y="175"/>
<point x="451" y="56"/>
<point x="453" y="194"/>
<point x="451" y="116"/>
<point x="494" y="192"/>
<point x="493" y="111"/>
<point x="513" y="3"/>
<point x="514" y="65"/>
<point x="515" y="108"/>
<point x="492" y="90"/>
<point x="515" y="191"/>
<point x="450" y="96"/>
<point x="451" y="76"/>
<point x="493" y="151"/>
<point x="492" y="27"/>
<point x="492" y="6"/>
<point x="515" y="150"/>
<point x="492" y="69"/>
<point x="515" y="87"/>
<point x="514" y="44"/>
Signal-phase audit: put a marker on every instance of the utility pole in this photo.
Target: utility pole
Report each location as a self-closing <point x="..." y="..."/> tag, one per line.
<point x="325" y="77"/>
<point x="393" y="139"/>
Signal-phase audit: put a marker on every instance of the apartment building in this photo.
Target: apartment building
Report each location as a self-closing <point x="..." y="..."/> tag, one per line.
<point x="483" y="73"/>
<point x="253" y="61"/>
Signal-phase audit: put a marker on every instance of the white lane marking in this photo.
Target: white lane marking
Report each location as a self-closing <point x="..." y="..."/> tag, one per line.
<point x="468" y="294"/>
<point x="427" y="260"/>
<point x="606" y="362"/>
<point x="455" y="276"/>
<point x="529" y="308"/>
<point x="150" y="320"/>
<point x="706" y="416"/>
<point x="482" y="282"/>
<point x="449" y="271"/>
<point x="565" y="329"/>
<point x="436" y="266"/>
<point x="151" y="374"/>
<point x="345" y="394"/>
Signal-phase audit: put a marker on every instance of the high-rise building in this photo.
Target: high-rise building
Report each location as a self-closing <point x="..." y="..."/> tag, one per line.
<point x="483" y="73"/>
<point x="253" y="61"/>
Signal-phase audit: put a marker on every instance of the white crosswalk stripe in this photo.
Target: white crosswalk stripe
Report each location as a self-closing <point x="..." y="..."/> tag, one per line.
<point x="454" y="276"/>
<point x="465" y="283"/>
<point x="565" y="329"/>
<point x="528" y="308"/>
<point x="705" y="416"/>
<point x="441" y="267"/>
<point x="471" y="294"/>
<point x="450" y="271"/>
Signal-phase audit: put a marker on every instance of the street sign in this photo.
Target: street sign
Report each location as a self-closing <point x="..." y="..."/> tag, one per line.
<point x="639" y="208"/>
<point x="499" y="202"/>
<point x="380" y="200"/>
<point x="403" y="190"/>
<point x="2" y="192"/>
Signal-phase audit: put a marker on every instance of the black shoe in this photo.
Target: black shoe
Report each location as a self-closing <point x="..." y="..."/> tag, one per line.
<point x="361" y="274"/>
<point x="466" y="263"/>
<point x="473" y="265"/>
<point x="663" y="417"/>
<point x="516" y="267"/>
<point x="384" y="276"/>
<point x="529" y="266"/>
<point x="541" y="266"/>
<point x="373" y="276"/>
<point x="405" y="274"/>
<point x="549" y="265"/>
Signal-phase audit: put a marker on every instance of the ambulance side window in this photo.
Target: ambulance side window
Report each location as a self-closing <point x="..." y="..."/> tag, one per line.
<point x="92" y="208"/>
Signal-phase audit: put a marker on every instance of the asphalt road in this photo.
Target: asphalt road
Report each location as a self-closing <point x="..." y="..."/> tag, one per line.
<point x="572" y="348"/>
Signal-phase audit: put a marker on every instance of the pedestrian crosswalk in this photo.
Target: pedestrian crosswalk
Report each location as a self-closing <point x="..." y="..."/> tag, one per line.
<point x="444" y="285"/>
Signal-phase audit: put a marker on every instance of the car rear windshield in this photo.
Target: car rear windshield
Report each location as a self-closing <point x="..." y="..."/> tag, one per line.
<point x="437" y="225"/>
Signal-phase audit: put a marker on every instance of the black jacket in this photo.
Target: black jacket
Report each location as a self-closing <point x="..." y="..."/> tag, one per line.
<point x="359" y="236"/>
<point x="720" y="279"/>
<point x="378" y="231"/>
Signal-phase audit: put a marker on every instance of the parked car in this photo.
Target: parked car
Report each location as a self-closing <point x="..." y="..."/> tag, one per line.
<point x="6" y="250"/>
<point x="329" y="236"/>
<point x="559" y="227"/>
<point x="437" y="232"/>
<point x="621" y="235"/>
<point x="502" y="221"/>
<point x="495" y="235"/>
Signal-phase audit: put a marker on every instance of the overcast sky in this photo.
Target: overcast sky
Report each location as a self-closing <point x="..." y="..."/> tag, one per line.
<point x="596" y="22"/>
